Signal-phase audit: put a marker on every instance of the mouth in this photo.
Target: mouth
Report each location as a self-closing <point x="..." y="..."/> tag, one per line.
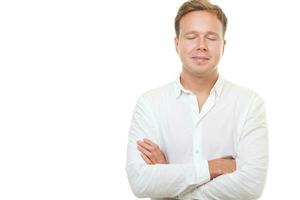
<point x="200" y="59"/>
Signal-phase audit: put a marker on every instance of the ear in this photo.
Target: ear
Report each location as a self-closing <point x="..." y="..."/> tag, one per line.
<point x="176" y="43"/>
<point x="224" y="44"/>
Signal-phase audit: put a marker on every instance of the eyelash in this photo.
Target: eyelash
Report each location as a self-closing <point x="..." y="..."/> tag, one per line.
<point x="212" y="39"/>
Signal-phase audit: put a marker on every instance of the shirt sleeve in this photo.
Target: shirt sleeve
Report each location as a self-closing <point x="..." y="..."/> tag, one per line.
<point x="159" y="180"/>
<point x="248" y="181"/>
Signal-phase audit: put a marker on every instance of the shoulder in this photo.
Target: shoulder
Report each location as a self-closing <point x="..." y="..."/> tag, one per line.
<point x="240" y="92"/>
<point x="158" y="95"/>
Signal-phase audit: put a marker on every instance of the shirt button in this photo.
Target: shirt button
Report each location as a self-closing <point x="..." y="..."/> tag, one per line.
<point x="197" y="151"/>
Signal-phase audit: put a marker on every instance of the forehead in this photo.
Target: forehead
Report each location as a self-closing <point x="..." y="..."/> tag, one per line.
<point x="200" y="21"/>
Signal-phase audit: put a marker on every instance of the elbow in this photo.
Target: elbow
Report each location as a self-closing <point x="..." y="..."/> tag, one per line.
<point x="134" y="178"/>
<point x="249" y="191"/>
<point x="256" y="193"/>
<point x="252" y="178"/>
<point x="138" y="193"/>
<point x="257" y="190"/>
<point x="137" y="189"/>
<point x="256" y="187"/>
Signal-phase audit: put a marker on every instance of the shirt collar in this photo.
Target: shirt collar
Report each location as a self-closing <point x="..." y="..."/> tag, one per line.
<point x="179" y="89"/>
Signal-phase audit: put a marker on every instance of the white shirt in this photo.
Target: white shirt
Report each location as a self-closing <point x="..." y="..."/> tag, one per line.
<point x="231" y="122"/>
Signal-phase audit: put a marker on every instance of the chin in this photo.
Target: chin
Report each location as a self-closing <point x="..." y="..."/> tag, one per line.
<point x="204" y="72"/>
<point x="201" y="69"/>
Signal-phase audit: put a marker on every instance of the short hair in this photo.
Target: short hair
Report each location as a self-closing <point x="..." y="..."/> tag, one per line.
<point x="199" y="5"/>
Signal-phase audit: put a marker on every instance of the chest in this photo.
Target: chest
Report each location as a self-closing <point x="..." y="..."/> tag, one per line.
<point x="214" y="135"/>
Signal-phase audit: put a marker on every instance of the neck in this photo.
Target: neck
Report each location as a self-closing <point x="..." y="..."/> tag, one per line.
<point x="197" y="84"/>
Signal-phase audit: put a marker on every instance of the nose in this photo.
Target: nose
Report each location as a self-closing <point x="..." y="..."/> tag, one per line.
<point x="202" y="46"/>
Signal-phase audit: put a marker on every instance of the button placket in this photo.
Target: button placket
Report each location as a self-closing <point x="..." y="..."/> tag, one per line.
<point x="197" y="140"/>
<point x="193" y="104"/>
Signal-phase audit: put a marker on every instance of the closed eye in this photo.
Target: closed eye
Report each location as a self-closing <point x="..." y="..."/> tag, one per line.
<point x="190" y="38"/>
<point x="212" y="38"/>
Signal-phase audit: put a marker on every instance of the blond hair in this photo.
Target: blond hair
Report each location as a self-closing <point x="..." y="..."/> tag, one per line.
<point x="199" y="5"/>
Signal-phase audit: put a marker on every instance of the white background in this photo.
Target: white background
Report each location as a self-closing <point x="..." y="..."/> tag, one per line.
<point x="71" y="72"/>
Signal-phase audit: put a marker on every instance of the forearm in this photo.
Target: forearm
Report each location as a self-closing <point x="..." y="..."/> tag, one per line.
<point x="247" y="182"/>
<point x="166" y="180"/>
<point x="238" y="185"/>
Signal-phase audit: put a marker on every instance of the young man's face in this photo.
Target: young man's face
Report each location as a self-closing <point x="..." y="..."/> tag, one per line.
<point x="200" y="43"/>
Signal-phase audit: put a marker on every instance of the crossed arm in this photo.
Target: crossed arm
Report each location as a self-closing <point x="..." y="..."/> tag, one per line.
<point x="151" y="176"/>
<point x="151" y="154"/>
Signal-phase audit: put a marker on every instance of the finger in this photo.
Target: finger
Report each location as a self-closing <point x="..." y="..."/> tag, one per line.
<point x="144" y="151"/>
<point x="149" y="154"/>
<point x="145" y="145"/>
<point x="146" y="159"/>
<point x="158" y="155"/>
<point x="149" y="142"/>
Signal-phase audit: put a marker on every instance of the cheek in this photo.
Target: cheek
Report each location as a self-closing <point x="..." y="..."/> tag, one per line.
<point x="216" y="49"/>
<point x="186" y="48"/>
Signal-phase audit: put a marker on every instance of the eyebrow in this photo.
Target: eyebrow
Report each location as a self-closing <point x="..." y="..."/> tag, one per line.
<point x="191" y="32"/>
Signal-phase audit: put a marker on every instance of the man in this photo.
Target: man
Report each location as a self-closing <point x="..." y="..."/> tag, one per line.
<point x="201" y="136"/>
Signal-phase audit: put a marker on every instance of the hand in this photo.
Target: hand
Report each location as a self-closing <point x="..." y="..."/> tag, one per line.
<point x="221" y="166"/>
<point x="151" y="152"/>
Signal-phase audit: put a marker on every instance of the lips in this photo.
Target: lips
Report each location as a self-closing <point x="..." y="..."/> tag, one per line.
<point x="200" y="59"/>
